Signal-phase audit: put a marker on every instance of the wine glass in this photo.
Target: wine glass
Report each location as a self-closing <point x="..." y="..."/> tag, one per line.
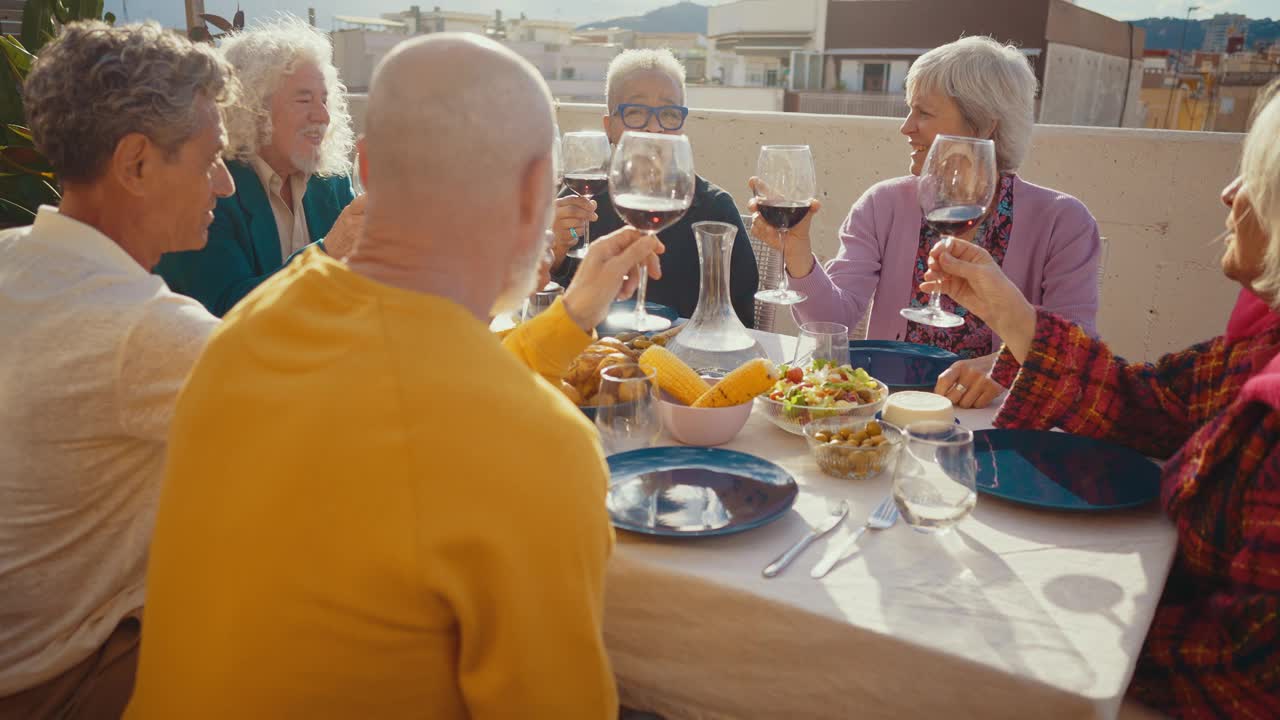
<point x="651" y="181"/>
<point x="786" y="185"/>
<point x="627" y="416"/>
<point x="585" y="159"/>
<point x="935" y="482"/>
<point x="955" y="191"/>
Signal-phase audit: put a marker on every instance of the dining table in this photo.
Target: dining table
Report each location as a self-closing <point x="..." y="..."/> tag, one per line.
<point x="1017" y="612"/>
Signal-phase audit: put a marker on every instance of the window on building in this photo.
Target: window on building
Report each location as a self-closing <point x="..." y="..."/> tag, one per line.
<point x="566" y="73"/>
<point x="875" y="77"/>
<point x="771" y="78"/>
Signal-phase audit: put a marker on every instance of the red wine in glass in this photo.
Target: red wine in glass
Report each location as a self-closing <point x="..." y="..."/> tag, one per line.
<point x="954" y="220"/>
<point x="587" y="185"/>
<point x="783" y="215"/>
<point x="649" y="214"/>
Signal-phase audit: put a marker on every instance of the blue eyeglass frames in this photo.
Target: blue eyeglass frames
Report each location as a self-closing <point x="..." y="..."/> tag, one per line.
<point x="635" y="116"/>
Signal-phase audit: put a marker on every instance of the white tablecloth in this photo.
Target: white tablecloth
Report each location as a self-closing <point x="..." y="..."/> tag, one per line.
<point x="1017" y="613"/>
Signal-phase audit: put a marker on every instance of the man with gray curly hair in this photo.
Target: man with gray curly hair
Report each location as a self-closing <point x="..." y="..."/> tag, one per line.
<point x="95" y="351"/>
<point x="289" y="146"/>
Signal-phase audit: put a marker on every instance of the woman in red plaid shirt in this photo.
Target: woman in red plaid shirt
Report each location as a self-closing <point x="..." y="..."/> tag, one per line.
<point x="1213" y="410"/>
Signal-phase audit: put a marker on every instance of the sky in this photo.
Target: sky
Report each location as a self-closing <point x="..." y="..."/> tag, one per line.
<point x="171" y="12"/>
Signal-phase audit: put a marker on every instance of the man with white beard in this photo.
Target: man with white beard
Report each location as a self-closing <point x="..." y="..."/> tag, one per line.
<point x="371" y="508"/>
<point x="288" y="150"/>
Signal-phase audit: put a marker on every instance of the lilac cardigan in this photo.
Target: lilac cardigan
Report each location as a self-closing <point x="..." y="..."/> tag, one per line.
<point x="1053" y="257"/>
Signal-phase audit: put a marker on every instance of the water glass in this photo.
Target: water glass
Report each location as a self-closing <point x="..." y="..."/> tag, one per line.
<point x="627" y="416"/>
<point x="540" y="301"/>
<point x="822" y="341"/>
<point x="935" y="482"/>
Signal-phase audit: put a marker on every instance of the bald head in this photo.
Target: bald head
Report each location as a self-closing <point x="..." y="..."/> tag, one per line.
<point x="454" y="113"/>
<point x="457" y="150"/>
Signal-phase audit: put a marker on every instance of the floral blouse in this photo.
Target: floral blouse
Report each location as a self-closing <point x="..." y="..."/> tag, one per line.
<point x="973" y="338"/>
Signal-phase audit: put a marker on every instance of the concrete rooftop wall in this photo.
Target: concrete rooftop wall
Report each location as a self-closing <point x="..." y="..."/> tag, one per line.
<point x="1154" y="194"/>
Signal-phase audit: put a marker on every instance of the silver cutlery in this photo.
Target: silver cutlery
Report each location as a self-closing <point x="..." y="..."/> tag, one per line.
<point x="883" y="517"/>
<point x="838" y="514"/>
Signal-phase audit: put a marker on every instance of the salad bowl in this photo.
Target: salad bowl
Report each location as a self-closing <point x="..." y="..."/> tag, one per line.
<point x="822" y="390"/>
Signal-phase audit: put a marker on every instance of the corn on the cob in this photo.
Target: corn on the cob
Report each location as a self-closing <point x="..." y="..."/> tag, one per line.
<point x="740" y="386"/>
<point x="674" y="376"/>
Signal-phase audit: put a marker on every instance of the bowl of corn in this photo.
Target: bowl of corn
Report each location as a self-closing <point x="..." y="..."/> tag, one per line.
<point x="853" y="450"/>
<point x="706" y="411"/>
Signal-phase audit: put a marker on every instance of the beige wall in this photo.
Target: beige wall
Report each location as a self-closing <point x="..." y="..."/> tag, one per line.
<point x="1154" y="193"/>
<point x="1087" y="87"/>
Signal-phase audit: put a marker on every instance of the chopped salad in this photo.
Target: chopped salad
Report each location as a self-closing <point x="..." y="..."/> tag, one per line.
<point x="825" y="385"/>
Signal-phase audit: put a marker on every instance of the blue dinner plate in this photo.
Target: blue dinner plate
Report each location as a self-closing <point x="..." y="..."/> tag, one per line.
<point x="696" y="492"/>
<point x="1063" y="472"/>
<point x="606" y="328"/>
<point x="901" y="365"/>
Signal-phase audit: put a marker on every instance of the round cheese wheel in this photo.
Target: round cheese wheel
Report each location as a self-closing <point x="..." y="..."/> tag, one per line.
<point x="908" y="406"/>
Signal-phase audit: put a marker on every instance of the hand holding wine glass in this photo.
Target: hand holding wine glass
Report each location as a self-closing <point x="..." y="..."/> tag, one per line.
<point x="585" y="158"/>
<point x="784" y="187"/>
<point x="955" y="191"/>
<point x="651" y="181"/>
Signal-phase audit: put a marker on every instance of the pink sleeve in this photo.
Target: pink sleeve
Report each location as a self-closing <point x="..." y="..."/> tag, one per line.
<point x="843" y="290"/>
<point x="1070" y="285"/>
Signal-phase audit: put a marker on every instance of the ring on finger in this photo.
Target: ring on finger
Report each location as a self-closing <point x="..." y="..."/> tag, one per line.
<point x="960" y="387"/>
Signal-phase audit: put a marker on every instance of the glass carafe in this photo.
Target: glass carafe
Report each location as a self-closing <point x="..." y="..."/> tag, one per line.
<point x="714" y="341"/>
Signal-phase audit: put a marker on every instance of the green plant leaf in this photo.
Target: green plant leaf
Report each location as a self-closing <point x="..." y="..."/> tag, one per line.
<point x="16" y="55"/>
<point x="37" y="24"/>
<point x="14" y="64"/>
<point x="26" y="160"/>
<point x="89" y="10"/>
<point x="61" y="12"/>
<point x="218" y="22"/>
<point x="109" y="18"/>
<point x="20" y="131"/>
<point x="12" y="213"/>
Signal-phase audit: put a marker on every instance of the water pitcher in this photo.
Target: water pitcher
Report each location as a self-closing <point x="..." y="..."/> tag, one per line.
<point x="715" y="341"/>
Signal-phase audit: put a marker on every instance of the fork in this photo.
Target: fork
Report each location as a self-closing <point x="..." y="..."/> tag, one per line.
<point x="883" y="517"/>
<point x="836" y="515"/>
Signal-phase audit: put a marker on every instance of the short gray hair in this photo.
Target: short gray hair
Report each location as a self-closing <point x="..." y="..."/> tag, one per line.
<point x="264" y="54"/>
<point x="630" y="62"/>
<point x="1260" y="170"/>
<point x="992" y="83"/>
<point x="95" y="84"/>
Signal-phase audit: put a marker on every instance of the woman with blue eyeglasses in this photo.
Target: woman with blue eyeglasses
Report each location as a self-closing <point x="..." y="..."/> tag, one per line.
<point x="645" y="91"/>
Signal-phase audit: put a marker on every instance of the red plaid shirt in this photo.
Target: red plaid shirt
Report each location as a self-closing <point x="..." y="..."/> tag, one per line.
<point x="1214" y="646"/>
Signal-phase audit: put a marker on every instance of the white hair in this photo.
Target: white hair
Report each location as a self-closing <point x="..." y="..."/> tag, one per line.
<point x="994" y="86"/>
<point x="264" y="54"/>
<point x="1260" y="171"/>
<point x="630" y="62"/>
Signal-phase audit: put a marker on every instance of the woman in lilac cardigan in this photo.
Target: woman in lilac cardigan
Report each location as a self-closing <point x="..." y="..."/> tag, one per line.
<point x="973" y="87"/>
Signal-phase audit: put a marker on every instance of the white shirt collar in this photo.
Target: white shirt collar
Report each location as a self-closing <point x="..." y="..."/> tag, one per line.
<point x="71" y="235"/>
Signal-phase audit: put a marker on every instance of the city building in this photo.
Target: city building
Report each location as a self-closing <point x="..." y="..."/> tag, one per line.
<point x="1090" y="67"/>
<point x="753" y="42"/>
<point x="1222" y="28"/>
<point x="11" y="16"/>
<point x="1210" y="91"/>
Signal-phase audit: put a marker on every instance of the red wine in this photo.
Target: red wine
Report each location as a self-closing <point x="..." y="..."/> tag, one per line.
<point x="955" y="219"/>
<point x="587" y="184"/>
<point x="782" y="216"/>
<point x="647" y="213"/>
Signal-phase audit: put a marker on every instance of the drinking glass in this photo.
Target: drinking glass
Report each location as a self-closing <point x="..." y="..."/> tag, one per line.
<point x="627" y="416"/>
<point x="935" y="483"/>
<point x="651" y="181"/>
<point x="955" y="190"/>
<point x="357" y="187"/>
<point x="585" y="159"/>
<point x="787" y="184"/>
<point x="822" y="341"/>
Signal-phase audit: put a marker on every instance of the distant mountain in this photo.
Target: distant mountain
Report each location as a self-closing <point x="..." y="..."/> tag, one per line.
<point x="681" y="17"/>
<point x="1166" y="33"/>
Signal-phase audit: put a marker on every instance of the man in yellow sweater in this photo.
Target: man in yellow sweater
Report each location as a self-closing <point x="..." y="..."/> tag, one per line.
<point x="371" y="509"/>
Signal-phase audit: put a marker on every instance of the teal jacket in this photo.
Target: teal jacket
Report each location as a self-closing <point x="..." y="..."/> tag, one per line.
<point x="244" y="245"/>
